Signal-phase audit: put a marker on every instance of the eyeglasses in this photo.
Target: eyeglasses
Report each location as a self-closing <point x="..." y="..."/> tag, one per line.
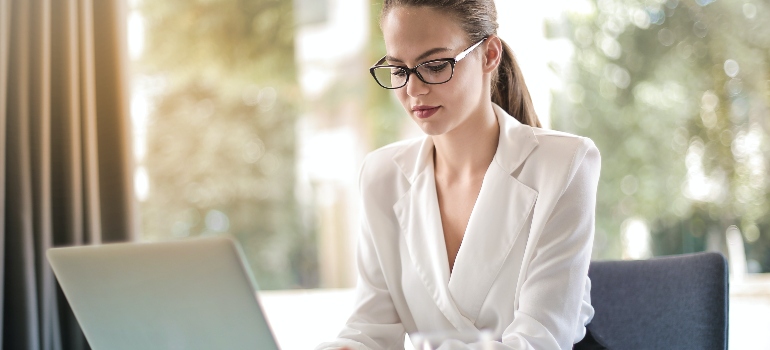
<point x="437" y="71"/>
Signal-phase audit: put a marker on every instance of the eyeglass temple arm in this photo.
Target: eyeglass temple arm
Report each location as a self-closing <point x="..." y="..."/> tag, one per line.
<point x="462" y="55"/>
<point x="379" y="62"/>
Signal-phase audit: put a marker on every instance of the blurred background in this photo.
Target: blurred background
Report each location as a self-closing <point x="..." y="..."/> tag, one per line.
<point x="252" y="118"/>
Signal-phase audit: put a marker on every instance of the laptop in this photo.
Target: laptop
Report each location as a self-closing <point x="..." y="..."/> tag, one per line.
<point x="191" y="294"/>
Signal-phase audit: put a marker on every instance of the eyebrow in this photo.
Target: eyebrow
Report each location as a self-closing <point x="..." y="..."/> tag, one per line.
<point x="421" y="57"/>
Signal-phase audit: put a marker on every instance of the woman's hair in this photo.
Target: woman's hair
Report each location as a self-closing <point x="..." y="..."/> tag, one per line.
<point x="478" y="18"/>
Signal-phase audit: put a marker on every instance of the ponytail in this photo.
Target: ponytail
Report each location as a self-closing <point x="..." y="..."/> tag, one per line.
<point x="510" y="92"/>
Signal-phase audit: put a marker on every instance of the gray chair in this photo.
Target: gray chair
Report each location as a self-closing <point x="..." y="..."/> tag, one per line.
<point x="677" y="302"/>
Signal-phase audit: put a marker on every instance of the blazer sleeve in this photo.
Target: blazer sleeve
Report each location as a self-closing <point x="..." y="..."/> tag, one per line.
<point x="374" y="323"/>
<point x="551" y="297"/>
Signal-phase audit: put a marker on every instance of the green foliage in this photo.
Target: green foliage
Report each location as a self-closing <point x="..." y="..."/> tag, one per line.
<point x="683" y="134"/>
<point x="221" y="141"/>
<point x="245" y="41"/>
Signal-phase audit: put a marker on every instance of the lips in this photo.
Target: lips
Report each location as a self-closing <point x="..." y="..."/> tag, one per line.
<point x="423" y="112"/>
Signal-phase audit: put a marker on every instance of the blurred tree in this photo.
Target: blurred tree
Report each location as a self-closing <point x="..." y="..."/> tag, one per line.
<point x="220" y="141"/>
<point x="676" y="96"/>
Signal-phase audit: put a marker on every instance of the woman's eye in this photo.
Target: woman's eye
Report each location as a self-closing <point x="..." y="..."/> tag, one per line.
<point x="438" y="66"/>
<point x="398" y="72"/>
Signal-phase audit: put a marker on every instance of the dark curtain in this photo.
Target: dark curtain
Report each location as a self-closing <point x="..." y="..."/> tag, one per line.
<point x="65" y="155"/>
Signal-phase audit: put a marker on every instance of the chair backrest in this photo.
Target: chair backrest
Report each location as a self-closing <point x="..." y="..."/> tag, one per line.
<point x="677" y="302"/>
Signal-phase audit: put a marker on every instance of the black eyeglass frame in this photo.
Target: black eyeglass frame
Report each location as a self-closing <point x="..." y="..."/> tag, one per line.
<point x="408" y="71"/>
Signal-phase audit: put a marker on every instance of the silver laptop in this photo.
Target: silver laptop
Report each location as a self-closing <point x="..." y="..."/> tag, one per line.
<point x="188" y="294"/>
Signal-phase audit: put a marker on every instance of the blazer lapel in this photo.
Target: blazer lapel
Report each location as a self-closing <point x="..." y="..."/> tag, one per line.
<point x="418" y="214"/>
<point x="500" y="214"/>
<point x="502" y="209"/>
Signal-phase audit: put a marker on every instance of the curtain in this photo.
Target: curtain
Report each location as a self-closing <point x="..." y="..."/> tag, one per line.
<point x="65" y="155"/>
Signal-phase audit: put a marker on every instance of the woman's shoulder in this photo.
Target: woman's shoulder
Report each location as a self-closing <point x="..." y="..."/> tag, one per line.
<point x="559" y="146"/>
<point x="380" y="166"/>
<point x="556" y="158"/>
<point x="561" y="138"/>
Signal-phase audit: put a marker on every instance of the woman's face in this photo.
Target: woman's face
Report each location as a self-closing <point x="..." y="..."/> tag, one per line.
<point x="414" y="35"/>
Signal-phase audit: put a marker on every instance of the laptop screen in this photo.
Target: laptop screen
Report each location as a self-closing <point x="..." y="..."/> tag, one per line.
<point x="188" y="294"/>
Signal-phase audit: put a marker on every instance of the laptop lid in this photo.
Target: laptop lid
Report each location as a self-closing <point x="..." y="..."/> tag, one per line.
<point x="189" y="294"/>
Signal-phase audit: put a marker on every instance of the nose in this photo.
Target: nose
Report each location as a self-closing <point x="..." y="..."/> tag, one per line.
<point x="416" y="87"/>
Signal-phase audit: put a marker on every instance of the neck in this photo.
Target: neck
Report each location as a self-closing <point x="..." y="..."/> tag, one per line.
<point x="467" y="150"/>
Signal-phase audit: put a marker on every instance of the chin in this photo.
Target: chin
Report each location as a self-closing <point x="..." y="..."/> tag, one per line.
<point x="431" y="128"/>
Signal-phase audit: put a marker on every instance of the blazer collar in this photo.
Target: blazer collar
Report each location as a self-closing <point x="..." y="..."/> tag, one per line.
<point x="493" y="228"/>
<point x="516" y="142"/>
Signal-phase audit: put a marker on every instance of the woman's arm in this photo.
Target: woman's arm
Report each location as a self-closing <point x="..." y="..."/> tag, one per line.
<point x="374" y="324"/>
<point x="552" y="294"/>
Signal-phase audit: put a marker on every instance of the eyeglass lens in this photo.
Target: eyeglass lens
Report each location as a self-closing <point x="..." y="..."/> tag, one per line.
<point x="436" y="72"/>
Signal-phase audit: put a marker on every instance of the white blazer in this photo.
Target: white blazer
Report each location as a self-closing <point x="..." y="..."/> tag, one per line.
<point x="522" y="268"/>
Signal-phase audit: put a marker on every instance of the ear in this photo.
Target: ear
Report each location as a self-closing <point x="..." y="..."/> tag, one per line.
<point x="493" y="53"/>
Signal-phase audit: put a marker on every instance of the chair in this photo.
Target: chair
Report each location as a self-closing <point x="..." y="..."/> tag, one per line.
<point x="677" y="302"/>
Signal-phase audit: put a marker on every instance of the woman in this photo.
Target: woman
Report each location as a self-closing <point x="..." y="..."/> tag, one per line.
<point x="485" y="223"/>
